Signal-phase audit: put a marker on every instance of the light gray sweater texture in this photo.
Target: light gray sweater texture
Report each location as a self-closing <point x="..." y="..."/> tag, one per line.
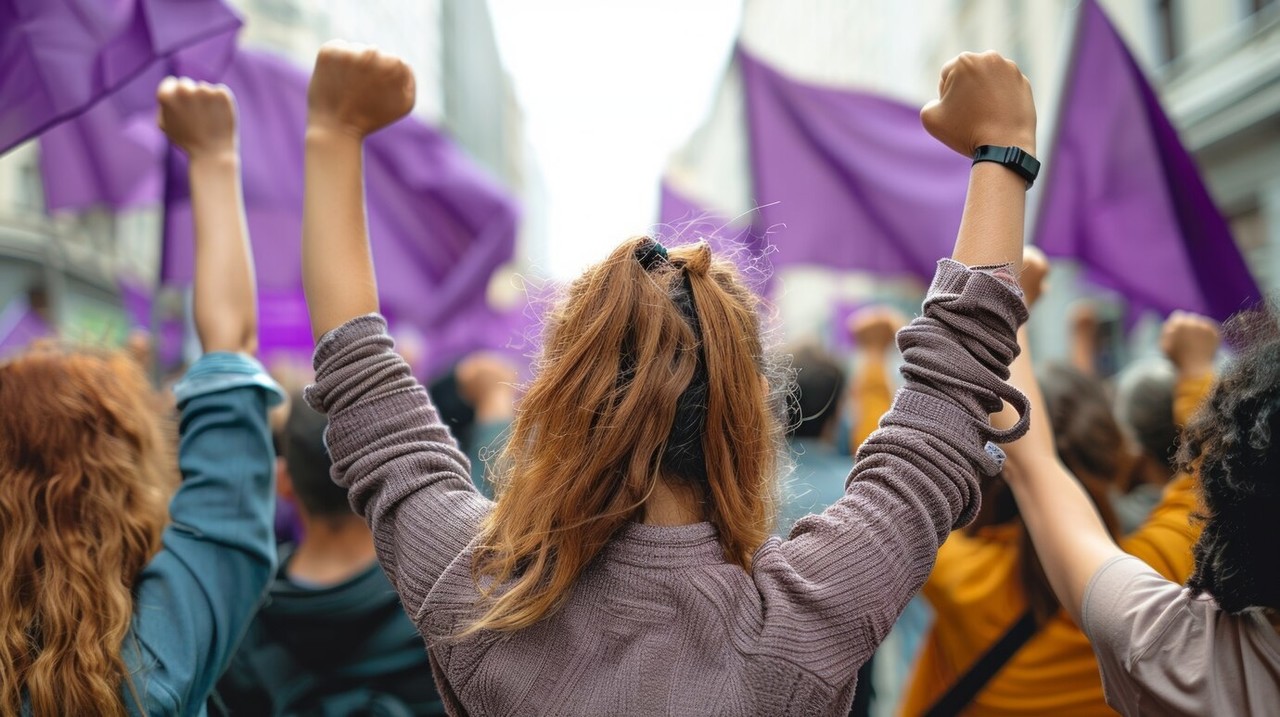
<point x="660" y="623"/>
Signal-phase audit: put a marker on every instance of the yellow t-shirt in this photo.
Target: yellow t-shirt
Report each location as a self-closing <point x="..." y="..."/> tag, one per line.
<point x="976" y="593"/>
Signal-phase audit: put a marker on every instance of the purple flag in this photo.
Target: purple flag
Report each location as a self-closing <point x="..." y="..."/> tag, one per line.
<point x="439" y="227"/>
<point x="849" y="179"/>
<point x="1123" y="196"/>
<point x="107" y="156"/>
<point x="113" y="154"/>
<point x="59" y="57"/>
<point x="19" y="326"/>
<point x="515" y="333"/>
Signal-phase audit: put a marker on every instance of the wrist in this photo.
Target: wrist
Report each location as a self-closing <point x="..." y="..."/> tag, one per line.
<point x="873" y="350"/>
<point x="496" y="404"/>
<point x="1022" y="140"/>
<point x="327" y="131"/>
<point x="1194" y="369"/>
<point x="215" y="157"/>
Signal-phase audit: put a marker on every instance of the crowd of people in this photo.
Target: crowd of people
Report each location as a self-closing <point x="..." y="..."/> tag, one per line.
<point x="671" y="517"/>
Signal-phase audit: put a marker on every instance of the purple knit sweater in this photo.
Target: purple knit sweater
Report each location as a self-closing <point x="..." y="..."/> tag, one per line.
<point x="660" y="623"/>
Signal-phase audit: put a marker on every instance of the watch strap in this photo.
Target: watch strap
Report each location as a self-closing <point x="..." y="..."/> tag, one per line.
<point x="1025" y="165"/>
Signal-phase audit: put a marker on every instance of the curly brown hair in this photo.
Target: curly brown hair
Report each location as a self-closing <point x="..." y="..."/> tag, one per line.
<point x="1233" y="442"/>
<point x="86" y="469"/>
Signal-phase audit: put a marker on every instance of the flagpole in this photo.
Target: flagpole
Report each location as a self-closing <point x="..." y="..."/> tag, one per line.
<point x="1054" y="130"/>
<point x="166" y="196"/>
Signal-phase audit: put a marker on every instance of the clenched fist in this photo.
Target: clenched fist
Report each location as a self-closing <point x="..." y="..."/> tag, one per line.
<point x="197" y="116"/>
<point x="357" y="90"/>
<point x="873" y="328"/>
<point x="1191" y="342"/>
<point x="1034" y="276"/>
<point x="982" y="99"/>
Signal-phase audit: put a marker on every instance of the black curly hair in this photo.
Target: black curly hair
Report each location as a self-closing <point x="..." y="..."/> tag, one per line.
<point x="1234" y="444"/>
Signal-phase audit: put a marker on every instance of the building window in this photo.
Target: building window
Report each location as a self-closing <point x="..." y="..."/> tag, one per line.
<point x="1167" y="26"/>
<point x="30" y="191"/>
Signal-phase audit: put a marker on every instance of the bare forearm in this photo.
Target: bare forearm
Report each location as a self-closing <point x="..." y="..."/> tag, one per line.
<point x="1070" y="538"/>
<point x="225" y="301"/>
<point x="1084" y="353"/>
<point x="872" y="396"/>
<point x="1038" y="443"/>
<point x="991" y="229"/>
<point x="337" y="269"/>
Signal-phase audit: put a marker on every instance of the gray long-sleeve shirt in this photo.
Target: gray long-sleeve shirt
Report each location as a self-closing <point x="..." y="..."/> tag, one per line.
<point x="660" y="623"/>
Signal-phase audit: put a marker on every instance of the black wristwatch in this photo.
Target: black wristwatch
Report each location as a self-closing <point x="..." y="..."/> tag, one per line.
<point x="1014" y="158"/>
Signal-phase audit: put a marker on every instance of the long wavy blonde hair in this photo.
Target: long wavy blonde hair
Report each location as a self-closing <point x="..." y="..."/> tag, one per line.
<point x="86" y="468"/>
<point x="652" y="369"/>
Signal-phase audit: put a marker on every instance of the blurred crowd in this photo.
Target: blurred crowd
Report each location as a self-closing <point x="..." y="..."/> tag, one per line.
<point x="671" y="516"/>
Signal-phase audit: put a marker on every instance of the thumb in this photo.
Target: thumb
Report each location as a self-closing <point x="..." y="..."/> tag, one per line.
<point x="929" y="116"/>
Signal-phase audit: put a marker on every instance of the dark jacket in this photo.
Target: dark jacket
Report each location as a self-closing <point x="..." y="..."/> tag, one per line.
<point x="348" y="649"/>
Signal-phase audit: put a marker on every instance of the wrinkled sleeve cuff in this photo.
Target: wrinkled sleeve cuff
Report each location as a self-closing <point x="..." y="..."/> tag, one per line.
<point x="952" y="277"/>
<point x="223" y="371"/>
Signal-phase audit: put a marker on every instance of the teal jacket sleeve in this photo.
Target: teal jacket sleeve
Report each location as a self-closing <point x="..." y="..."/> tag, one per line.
<point x="487" y="440"/>
<point x="196" y="598"/>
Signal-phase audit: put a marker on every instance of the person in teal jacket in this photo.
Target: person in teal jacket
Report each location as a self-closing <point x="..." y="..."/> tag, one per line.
<point x="333" y="638"/>
<point x="109" y="604"/>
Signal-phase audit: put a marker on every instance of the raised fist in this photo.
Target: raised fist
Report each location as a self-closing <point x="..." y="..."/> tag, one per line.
<point x="356" y="89"/>
<point x="982" y="99"/>
<point x="1035" y="273"/>
<point x="481" y="373"/>
<point x="197" y="116"/>
<point x="873" y="328"/>
<point x="1190" y="341"/>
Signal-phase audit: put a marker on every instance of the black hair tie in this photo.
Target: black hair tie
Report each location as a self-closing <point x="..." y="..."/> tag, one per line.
<point x="650" y="253"/>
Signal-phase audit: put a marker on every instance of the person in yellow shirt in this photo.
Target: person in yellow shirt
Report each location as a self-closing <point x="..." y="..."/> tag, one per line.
<point x="978" y="586"/>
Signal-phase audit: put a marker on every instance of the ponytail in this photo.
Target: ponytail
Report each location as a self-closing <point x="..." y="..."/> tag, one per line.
<point x="651" y="369"/>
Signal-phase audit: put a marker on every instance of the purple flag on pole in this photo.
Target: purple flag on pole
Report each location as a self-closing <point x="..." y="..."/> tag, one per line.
<point x="112" y="154"/>
<point x="19" y="326"/>
<point x="59" y="57"/>
<point x="849" y="179"/>
<point x="1123" y="196"/>
<point x="439" y="226"/>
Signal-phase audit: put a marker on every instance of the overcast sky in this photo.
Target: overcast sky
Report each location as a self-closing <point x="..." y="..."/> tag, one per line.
<point x="609" y="90"/>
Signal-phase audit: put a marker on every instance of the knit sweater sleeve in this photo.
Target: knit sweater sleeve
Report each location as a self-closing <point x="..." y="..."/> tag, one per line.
<point x="836" y="587"/>
<point x="403" y="470"/>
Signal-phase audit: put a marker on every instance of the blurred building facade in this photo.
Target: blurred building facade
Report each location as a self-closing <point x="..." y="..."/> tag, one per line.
<point x="72" y="264"/>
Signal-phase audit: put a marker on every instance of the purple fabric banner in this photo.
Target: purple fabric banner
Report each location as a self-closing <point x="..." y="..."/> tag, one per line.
<point x="849" y="180"/>
<point x="137" y="303"/>
<point x="19" y="326"/>
<point x="515" y="333"/>
<point x="59" y="57"/>
<point x="1123" y="196"/>
<point x="109" y="155"/>
<point x="438" y="225"/>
